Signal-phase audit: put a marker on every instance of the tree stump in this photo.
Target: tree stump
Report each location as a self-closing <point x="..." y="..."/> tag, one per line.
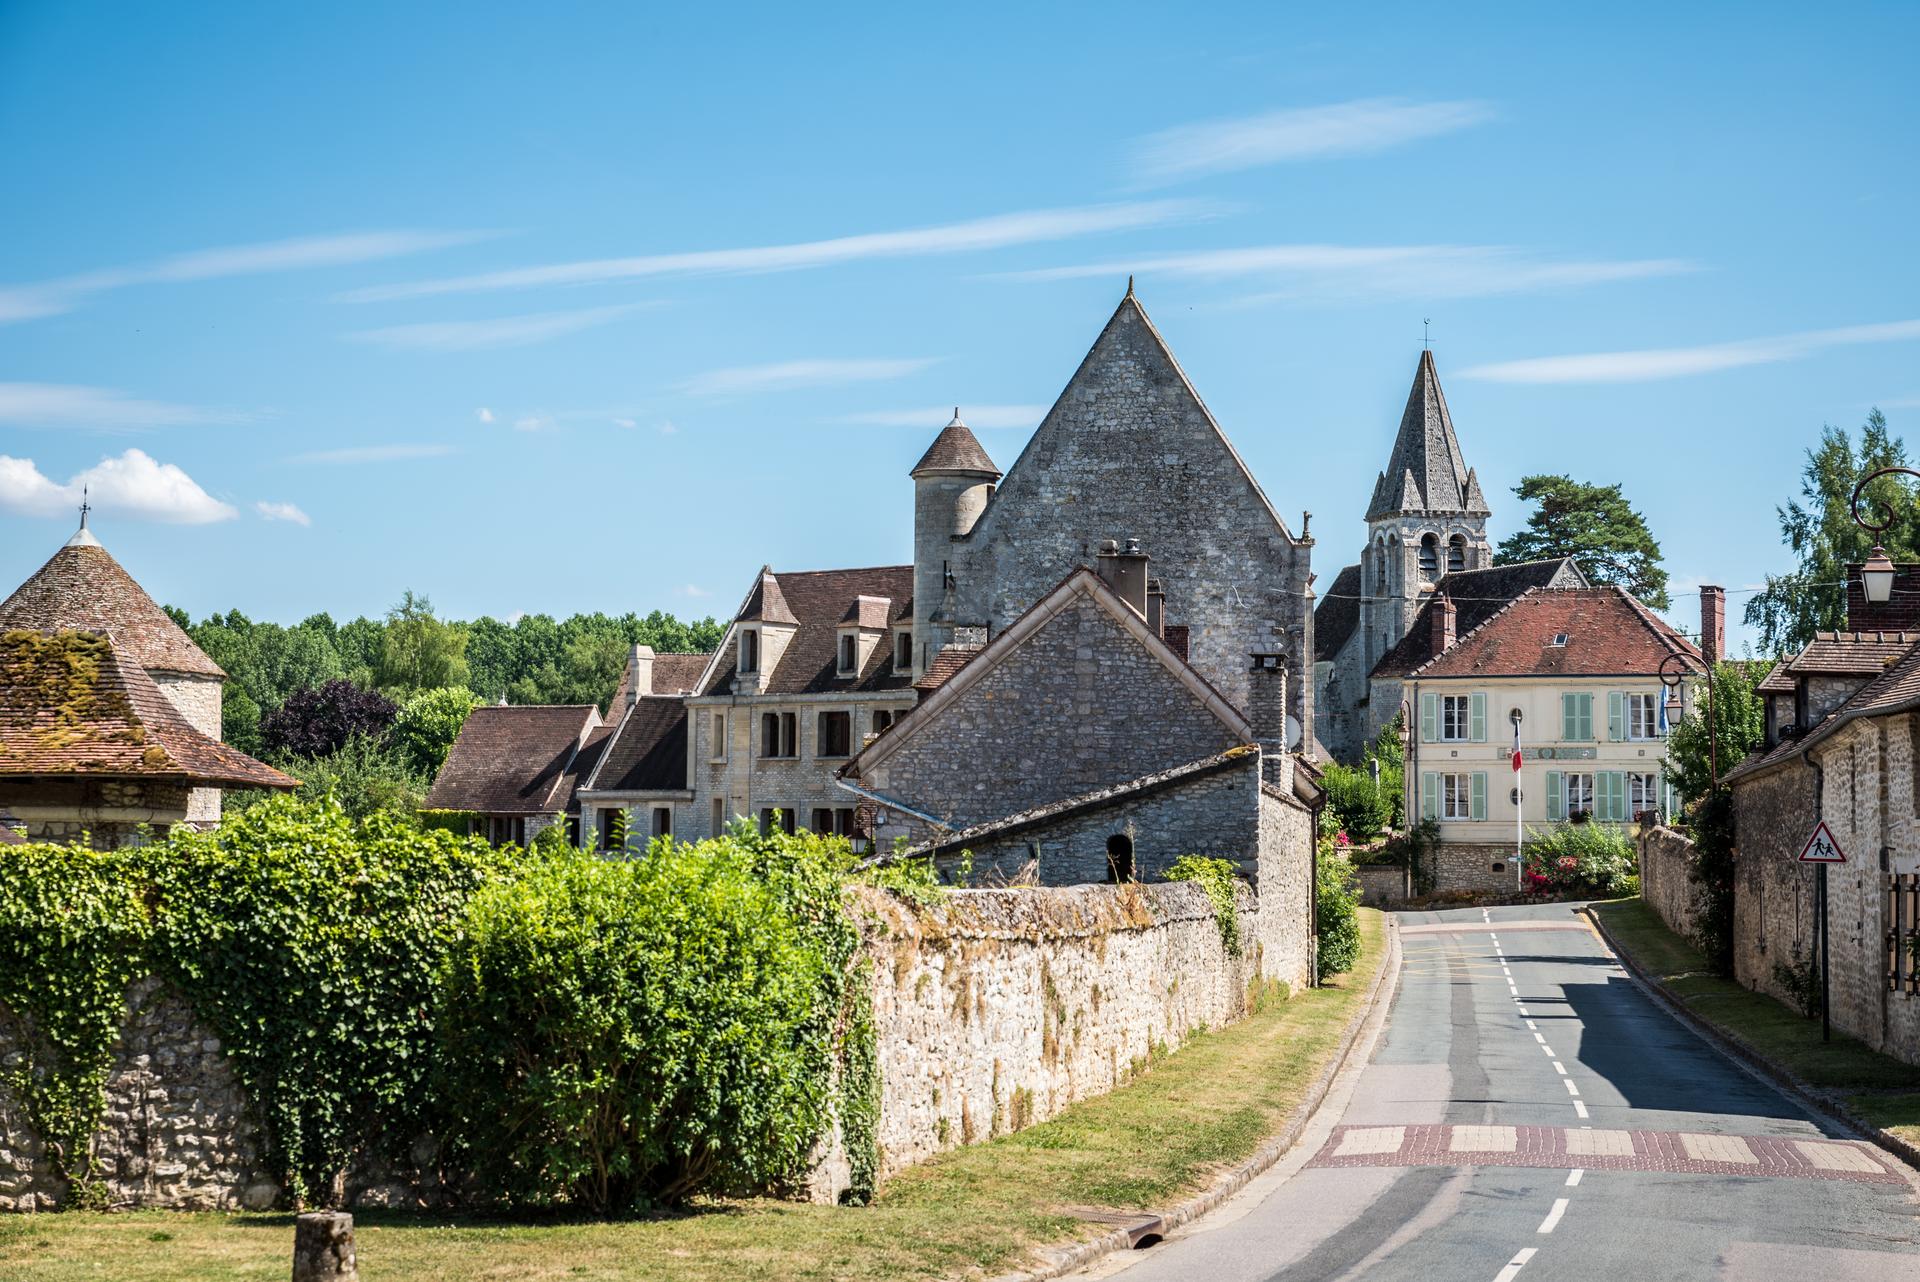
<point x="323" y="1248"/>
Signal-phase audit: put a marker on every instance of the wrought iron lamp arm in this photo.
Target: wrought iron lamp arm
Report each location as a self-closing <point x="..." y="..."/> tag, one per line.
<point x="1860" y="492"/>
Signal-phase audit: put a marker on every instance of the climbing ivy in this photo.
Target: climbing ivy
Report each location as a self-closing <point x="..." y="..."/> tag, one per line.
<point x="72" y="929"/>
<point x="1221" y="881"/>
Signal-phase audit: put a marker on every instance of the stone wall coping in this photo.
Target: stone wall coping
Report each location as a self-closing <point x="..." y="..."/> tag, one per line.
<point x="1041" y="912"/>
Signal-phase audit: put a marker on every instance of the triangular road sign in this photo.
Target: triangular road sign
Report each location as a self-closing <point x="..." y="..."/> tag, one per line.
<point x="1821" y="848"/>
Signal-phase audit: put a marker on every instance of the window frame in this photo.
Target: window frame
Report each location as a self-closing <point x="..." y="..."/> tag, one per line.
<point x="848" y="655"/>
<point x="1454" y="790"/>
<point x="747" y="653"/>
<point x="717" y="750"/>
<point x="1454" y="729"/>
<point x="1635" y="700"/>
<point x="821" y="746"/>
<point x="1567" y="808"/>
<point x="1652" y="791"/>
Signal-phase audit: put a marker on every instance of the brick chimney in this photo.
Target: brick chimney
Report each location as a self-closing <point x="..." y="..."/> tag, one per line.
<point x="1125" y="571"/>
<point x="1899" y="613"/>
<point x="1444" y="621"/>
<point x="1713" y="621"/>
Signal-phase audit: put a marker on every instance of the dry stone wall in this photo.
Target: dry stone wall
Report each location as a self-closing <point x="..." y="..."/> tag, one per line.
<point x="1665" y="881"/>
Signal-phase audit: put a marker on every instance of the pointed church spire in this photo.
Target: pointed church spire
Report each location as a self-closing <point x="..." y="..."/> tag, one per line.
<point x="1426" y="453"/>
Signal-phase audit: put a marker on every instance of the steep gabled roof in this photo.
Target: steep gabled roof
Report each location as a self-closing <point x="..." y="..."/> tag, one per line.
<point x="1426" y="472"/>
<point x="956" y="449"/>
<point x="814" y="602"/>
<point x="1606" y="633"/>
<point x="1476" y="596"/>
<point x="767" y="603"/>
<point x="83" y="588"/>
<point x="518" y="760"/>
<point x="648" y="752"/>
<point x="1336" y="615"/>
<point x="1895" y="690"/>
<point x="72" y="704"/>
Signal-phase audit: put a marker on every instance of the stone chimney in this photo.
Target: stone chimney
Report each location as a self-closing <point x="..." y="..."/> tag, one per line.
<point x="1157" y="607"/>
<point x="1267" y="711"/>
<point x="639" y="682"/>
<point x="1444" y="622"/>
<point x="1125" y="572"/>
<point x="1713" y="621"/>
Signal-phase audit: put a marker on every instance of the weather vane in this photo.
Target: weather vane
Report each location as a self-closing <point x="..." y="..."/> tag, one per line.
<point x="1426" y="339"/>
<point x="85" y="507"/>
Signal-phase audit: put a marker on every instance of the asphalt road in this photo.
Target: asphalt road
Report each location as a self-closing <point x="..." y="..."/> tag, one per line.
<point x="1529" y="1115"/>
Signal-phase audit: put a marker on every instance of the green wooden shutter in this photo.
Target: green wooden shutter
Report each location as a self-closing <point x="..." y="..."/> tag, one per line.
<point x="1479" y="713"/>
<point x="1616" y="715"/>
<point x="1429" y="795"/>
<point x="1586" y="718"/>
<point x="1556" y="804"/>
<point x="1569" y="716"/>
<point x="1616" y="808"/>
<point x="1480" y="795"/>
<point x="1429" y="719"/>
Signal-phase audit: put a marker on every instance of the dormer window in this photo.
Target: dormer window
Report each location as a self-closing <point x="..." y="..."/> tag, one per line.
<point x="849" y="654"/>
<point x="749" y="650"/>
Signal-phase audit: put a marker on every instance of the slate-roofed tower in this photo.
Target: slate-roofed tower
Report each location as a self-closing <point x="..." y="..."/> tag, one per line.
<point x="1428" y="517"/>
<point x="951" y="485"/>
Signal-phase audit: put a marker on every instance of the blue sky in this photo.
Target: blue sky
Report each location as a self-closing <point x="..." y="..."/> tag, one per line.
<point x="600" y="307"/>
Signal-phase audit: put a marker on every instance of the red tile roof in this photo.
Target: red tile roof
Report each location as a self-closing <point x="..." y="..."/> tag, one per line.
<point x="816" y="601"/>
<point x="945" y="666"/>
<point x="1476" y="596"/>
<point x="72" y="704"/>
<point x="82" y="587"/>
<point x="516" y="760"/>
<point x="1607" y="633"/>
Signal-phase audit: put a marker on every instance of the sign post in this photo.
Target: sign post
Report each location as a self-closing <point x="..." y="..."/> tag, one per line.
<point x="1822" y="850"/>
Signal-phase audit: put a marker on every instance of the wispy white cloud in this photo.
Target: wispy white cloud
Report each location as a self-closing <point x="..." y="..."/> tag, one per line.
<point x="981" y="416"/>
<point x="535" y="423"/>
<point x="996" y="232"/>
<point x="500" y="331"/>
<point x="780" y="376"/>
<point x="76" y="405"/>
<point x="50" y="297"/>
<point x="693" y="590"/>
<point x="1900" y="403"/>
<point x="1650" y="364"/>
<point x="1355" y="128"/>
<point x="372" y="454"/>
<point x="282" y="512"/>
<point x="484" y="414"/>
<point x="132" y="484"/>
<point x="1334" y="273"/>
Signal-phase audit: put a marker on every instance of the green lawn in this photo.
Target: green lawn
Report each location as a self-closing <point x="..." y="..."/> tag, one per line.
<point x="965" y="1214"/>
<point x="1881" y="1089"/>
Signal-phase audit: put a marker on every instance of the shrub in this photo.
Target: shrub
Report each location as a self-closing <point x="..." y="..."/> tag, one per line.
<point x="621" y="1033"/>
<point x="1221" y="881"/>
<point x="316" y="722"/>
<point x="1581" y="859"/>
<point x="428" y="724"/>
<point x="362" y="778"/>
<point x="1363" y="808"/>
<point x="1336" y="900"/>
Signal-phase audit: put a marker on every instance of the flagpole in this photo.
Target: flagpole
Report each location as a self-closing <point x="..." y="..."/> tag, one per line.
<point x="1519" y="807"/>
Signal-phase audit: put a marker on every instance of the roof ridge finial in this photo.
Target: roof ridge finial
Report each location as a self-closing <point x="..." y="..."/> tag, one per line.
<point x="1426" y="333"/>
<point x="85" y="507"/>
<point x="1129" y="284"/>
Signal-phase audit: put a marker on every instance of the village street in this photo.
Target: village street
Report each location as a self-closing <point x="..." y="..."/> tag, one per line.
<point x="1528" y="1113"/>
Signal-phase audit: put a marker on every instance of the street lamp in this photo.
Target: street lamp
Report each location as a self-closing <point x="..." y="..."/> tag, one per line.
<point x="1876" y="576"/>
<point x="1673" y="671"/>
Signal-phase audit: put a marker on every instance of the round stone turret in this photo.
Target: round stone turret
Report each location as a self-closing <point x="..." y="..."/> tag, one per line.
<point x="951" y="485"/>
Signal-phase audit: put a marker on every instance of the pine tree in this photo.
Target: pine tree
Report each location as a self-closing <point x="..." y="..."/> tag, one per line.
<point x="1596" y="526"/>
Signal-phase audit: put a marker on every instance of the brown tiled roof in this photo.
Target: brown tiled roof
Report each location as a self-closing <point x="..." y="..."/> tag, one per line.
<point x="816" y="601"/>
<point x="767" y="603"/>
<point x="1334" y="618"/>
<point x="1853" y="654"/>
<point x="72" y="704"/>
<point x="672" y="674"/>
<point x="514" y="760"/>
<point x="591" y="750"/>
<point x="83" y="587"/>
<point x="648" y="752"/>
<point x="945" y="665"/>
<point x="1608" y="633"/>
<point x="869" y="612"/>
<point x="1778" y="681"/>
<point x="956" y="449"/>
<point x="1895" y="690"/>
<point x="1476" y="596"/>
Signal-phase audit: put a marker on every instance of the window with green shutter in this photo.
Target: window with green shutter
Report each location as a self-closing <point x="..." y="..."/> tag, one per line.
<point x="1616" y="716"/>
<point x="1429" y="719"/>
<point x="1430" y="796"/>
<point x="1556" y="797"/>
<point x="1479" y="718"/>
<point x="1480" y="795"/>
<point x="1576" y="717"/>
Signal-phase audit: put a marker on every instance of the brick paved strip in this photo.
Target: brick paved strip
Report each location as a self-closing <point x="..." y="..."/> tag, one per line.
<point x="1679" y="1152"/>
<point x="1483" y="928"/>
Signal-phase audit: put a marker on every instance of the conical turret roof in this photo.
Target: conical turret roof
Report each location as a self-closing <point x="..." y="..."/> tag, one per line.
<point x="1426" y="472"/>
<point x="84" y="589"/>
<point x="955" y="450"/>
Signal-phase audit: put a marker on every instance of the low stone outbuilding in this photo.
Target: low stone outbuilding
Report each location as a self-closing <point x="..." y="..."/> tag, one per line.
<point x="514" y="770"/>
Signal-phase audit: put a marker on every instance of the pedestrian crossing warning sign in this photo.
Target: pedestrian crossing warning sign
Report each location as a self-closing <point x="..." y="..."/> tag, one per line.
<point x="1821" y="848"/>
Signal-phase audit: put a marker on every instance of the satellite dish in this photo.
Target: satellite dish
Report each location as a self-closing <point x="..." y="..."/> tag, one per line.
<point x="1293" y="734"/>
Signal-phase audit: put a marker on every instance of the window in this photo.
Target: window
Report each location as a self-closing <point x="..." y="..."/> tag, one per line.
<point x="719" y="745"/>
<point x="777" y="734"/>
<point x="610" y="830"/>
<point x="1453" y="796"/>
<point x="836" y="735"/>
<point x="1456" y="553"/>
<point x="1456" y="796"/>
<point x="1429" y="557"/>
<point x="777" y="817"/>
<point x="749" y="650"/>
<point x="1643" y="795"/>
<point x="882" y="721"/>
<point x="1455" y="712"/>
<point x="788" y="821"/>
<point x="902" y="651"/>
<point x="573" y="830"/>
<point x="822" y="820"/>
<point x="1453" y="718"/>
<point x="843" y="821"/>
<point x="1643" y="716"/>
<point x="663" y="821"/>
<point x="1559" y="640"/>
<point x="719" y="817"/>
<point x="849" y="652"/>
<point x="1579" y="794"/>
<point x="1576" y="717"/>
<point x="1119" y="857"/>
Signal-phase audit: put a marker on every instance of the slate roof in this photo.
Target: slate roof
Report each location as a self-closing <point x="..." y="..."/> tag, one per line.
<point x="672" y="674"/>
<point x="648" y="752"/>
<point x="1337" y="614"/>
<point x="1476" y="596"/>
<point x="1895" y="690"/>
<point x="1426" y="472"/>
<point x="73" y="703"/>
<point x="1608" y="634"/>
<point x="515" y="760"/>
<point x="82" y="587"/>
<point x="956" y="449"/>
<point x="815" y="601"/>
<point x="1242" y="756"/>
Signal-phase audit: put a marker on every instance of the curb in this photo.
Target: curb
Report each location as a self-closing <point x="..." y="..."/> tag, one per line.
<point x="1749" y="1057"/>
<point x="1064" y="1260"/>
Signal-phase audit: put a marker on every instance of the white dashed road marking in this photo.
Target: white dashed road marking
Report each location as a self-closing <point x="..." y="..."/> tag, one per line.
<point x="1514" y="1265"/>
<point x="1573" y="1176"/>
<point x="1553" y="1216"/>
<point x="1579" y="1109"/>
<point x="1571" y="1088"/>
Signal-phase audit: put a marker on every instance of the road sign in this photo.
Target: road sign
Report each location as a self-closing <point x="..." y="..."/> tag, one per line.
<point x="1821" y="848"/>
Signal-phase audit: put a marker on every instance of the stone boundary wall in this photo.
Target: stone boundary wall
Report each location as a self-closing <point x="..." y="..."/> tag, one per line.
<point x="1461" y="866"/>
<point x="1665" y="882"/>
<point x="1384" y="885"/>
<point x="995" y="1009"/>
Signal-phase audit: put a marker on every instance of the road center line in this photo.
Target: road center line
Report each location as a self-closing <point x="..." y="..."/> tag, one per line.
<point x="1573" y="1176"/>
<point x="1548" y="1049"/>
<point x="1579" y="1108"/>
<point x="1514" y="1265"/>
<point x="1553" y="1216"/>
<point x="1571" y="1088"/>
<point x="1561" y="1069"/>
<point x="1538" y="1036"/>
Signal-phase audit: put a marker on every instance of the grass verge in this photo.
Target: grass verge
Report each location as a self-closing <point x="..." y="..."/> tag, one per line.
<point x="974" y="1210"/>
<point x="1881" y="1089"/>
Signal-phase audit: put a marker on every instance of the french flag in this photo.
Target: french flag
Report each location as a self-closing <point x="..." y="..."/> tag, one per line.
<point x="1516" y="747"/>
